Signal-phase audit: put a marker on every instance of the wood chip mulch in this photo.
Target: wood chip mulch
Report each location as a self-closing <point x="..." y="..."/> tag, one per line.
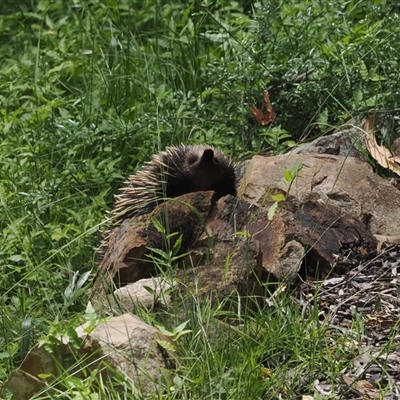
<point x="360" y="299"/>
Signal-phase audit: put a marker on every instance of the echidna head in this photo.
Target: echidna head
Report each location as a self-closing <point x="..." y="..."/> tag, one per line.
<point x="210" y="169"/>
<point x="201" y="158"/>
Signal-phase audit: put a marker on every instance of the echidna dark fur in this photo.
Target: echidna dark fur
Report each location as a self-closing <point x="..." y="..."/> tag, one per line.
<point x="171" y="173"/>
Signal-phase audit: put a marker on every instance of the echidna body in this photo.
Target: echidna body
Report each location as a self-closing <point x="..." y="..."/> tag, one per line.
<point x="174" y="172"/>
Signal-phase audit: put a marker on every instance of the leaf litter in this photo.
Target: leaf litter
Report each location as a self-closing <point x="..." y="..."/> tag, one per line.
<point x="360" y="298"/>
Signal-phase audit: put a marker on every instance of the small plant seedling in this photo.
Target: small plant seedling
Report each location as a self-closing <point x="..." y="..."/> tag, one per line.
<point x="288" y="178"/>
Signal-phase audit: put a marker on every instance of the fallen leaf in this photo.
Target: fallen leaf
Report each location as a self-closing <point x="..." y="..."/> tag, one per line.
<point x="381" y="154"/>
<point x="264" y="118"/>
<point x="362" y="388"/>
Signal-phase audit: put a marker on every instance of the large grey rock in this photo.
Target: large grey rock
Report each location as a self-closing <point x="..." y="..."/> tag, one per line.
<point x="344" y="182"/>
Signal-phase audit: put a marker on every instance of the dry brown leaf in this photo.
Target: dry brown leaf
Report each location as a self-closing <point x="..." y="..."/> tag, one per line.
<point x="269" y="115"/>
<point x="361" y="387"/>
<point x="381" y="154"/>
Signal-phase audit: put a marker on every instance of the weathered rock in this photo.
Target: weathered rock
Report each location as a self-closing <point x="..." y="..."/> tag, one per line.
<point x="125" y="259"/>
<point x="228" y="260"/>
<point x="36" y="372"/>
<point x="347" y="141"/>
<point x="220" y="262"/>
<point x="127" y="246"/>
<point x="125" y="343"/>
<point x="145" y="292"/>
<point x="288" y="262"/>
<point x="129" y="345"/>
<point x="323" y="230"/>
<point x="344" y="182"/>
<point x="310" y="233"/>
<point x="332" y="200"/>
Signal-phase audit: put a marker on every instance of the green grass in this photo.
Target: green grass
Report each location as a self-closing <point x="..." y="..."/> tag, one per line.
<point x="90" y="89"/>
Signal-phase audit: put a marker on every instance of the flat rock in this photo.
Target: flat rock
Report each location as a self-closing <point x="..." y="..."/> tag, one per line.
<point x="144" y="292"/>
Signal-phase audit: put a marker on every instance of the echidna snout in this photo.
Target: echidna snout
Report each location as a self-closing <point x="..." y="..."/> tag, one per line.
<point x="208" y="157"/>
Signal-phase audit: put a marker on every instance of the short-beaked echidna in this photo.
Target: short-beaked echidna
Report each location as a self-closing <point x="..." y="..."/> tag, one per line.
<point x="175" y="171"/>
